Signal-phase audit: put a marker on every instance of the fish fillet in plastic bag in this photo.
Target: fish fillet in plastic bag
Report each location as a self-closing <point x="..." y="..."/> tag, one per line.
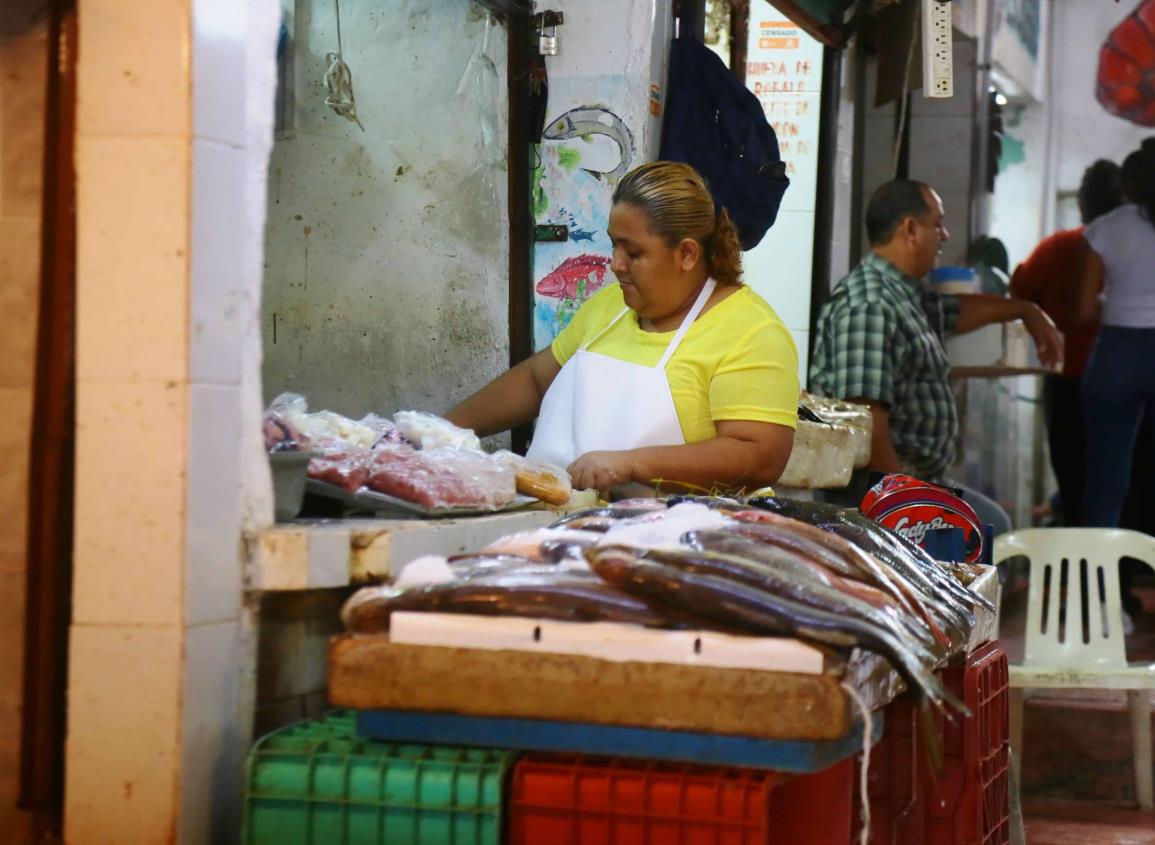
<point x="340" y="464"/>
<point x="428" y="431"/>
<point x="441" y="478"/>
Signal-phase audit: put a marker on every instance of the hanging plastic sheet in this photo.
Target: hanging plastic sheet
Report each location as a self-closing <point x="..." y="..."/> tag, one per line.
<point x="472" y="213"/>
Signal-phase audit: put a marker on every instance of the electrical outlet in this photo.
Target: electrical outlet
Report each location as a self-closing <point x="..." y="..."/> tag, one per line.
<point x="937" y="49"/>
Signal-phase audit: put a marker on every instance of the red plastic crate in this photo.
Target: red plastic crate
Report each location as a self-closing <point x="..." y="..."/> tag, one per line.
<point x="573" y="800"/>
<point x="968" y="803"/>
<point x="897" y="809"/>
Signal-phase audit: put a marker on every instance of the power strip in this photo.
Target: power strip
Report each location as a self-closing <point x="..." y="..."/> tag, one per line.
<point x="937" y="53"/>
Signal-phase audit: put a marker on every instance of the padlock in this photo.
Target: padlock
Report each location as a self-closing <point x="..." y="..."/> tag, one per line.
<point x="547" y="44"/>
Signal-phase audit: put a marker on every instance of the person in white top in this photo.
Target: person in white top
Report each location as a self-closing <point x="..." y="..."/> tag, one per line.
<point x="1119" y="383"/>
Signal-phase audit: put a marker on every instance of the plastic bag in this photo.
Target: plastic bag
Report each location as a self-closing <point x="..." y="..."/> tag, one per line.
<point x="442" y="478"/>
<point x="428" y="431"/>
<point x="471" y="214"/>
<point x="543" y="481"/>
<point x="567" y="595"/>
<point x="326" y="425"/>
<point x="340" y="464"/>
<point x="281" y="435"/>
<point x="322" y="425"/>
<point x="291" y="406"/>
<point x="386" y="430"/>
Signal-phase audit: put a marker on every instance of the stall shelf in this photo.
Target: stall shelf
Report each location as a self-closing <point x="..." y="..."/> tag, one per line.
<point x="317" y="554"/>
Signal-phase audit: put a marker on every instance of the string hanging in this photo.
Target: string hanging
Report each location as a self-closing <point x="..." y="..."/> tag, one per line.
<point x="339" y="79"/>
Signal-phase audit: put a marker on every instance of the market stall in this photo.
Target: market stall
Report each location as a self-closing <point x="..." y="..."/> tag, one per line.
<point x="570" y="640"/>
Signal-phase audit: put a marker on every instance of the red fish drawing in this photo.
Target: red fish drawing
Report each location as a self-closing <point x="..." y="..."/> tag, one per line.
<point x="1126" y="82"/>
<point x="575" y="277"/>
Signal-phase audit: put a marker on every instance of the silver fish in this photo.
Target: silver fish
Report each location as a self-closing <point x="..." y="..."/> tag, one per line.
<point x="595" y="120"/>
<point x="776" y="568"/>
<point x="725" y="600"/>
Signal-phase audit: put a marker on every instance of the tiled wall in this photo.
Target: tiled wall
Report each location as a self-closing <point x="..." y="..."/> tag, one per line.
<point x="23" y="66"/>
<point x="168" y="154"/>
<point x="133" y="157"/>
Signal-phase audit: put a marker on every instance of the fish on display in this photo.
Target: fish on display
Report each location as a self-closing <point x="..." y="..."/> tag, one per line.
<point x="907" y="559"/>
<point x="603" y="518"/>
<point x="797" y="583"/>
<point x="577" y="275"/>
<point x="714" y="503"/>
<point x="802" y="576"/>
<point x="850" y="561"/>
<point x="565" y="595"/>
<point x="585" y="121"/>
<point x="713" y="598"/>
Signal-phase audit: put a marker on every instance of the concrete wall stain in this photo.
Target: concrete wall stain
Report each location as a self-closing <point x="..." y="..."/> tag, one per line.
<point x="378" y="306"/>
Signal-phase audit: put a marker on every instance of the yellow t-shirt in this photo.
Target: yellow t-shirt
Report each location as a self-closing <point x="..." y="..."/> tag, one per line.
<point x="737" y="361"/>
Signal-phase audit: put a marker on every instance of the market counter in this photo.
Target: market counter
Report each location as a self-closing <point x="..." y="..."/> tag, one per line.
<point x="374" y="673"/>
<point x="316" y="554"/>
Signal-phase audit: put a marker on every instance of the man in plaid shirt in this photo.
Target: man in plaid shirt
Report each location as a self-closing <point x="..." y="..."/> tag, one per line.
<point x="880" y="335"/>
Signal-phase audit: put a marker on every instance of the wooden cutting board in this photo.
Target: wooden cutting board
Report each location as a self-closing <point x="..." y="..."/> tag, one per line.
<point x="370" y="672"/>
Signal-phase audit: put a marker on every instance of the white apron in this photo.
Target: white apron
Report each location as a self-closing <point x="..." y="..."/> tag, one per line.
<point x="601" y="403"/>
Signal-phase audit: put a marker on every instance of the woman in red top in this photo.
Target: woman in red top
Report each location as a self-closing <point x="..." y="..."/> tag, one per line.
<point x="1050" y="278"/>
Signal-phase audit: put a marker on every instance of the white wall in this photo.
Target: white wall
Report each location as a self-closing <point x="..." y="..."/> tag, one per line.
<point x="377" y="304"/>
<point x="1017" y="205"/>
<point x="1084" y="131"/>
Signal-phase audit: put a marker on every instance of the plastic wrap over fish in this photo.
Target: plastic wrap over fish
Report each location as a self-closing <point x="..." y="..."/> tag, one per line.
<point x="532" y="591"/>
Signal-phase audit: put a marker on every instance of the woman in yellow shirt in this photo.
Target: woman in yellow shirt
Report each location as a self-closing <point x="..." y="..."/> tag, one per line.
<point x="678" y="373"/>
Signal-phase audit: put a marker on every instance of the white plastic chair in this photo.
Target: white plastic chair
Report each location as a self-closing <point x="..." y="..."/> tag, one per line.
<point x="1075" y="641"/>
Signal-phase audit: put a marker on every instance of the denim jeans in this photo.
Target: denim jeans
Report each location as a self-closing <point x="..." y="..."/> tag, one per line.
<point x="1118" y="386"/>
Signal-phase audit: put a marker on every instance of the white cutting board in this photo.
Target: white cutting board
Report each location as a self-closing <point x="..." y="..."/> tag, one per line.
<point x="606" y="641"/>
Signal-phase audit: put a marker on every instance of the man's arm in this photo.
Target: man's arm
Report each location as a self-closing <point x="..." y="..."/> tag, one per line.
<point x="979" y="309"/>
<point x="883" y="457"/>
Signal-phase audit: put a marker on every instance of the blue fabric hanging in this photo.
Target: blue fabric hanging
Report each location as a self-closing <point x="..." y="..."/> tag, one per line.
<point x="714" y="123"/>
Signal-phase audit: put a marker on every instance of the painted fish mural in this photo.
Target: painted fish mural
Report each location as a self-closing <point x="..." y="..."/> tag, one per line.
<point x="1125" y="85"/>
<point x="575" y="278"/>
<point x="595" y="120"/>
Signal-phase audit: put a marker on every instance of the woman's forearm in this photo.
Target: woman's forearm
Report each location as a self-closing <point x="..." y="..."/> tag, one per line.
<point x="511" y="399"/>
<point x="723" y="462"/>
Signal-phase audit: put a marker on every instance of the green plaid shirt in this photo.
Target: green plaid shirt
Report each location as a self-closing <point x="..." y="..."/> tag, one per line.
<point x="880" y="337"/>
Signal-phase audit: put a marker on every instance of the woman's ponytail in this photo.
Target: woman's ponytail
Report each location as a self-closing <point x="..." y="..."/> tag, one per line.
<point x="725" y="250"/>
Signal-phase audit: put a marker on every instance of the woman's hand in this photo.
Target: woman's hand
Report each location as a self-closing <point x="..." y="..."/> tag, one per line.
<point x="601" y="470"/>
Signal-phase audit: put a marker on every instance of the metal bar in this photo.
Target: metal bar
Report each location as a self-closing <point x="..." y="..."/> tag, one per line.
<point x="520" y="199"/>
<point x="820" y="280"/>
<point x="48" y="586"/>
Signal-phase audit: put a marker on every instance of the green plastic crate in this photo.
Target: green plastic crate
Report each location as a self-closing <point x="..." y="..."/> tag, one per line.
<point x="318" y="783"/>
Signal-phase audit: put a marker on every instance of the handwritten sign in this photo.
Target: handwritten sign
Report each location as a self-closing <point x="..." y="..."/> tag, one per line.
<point x="784" y="70"/>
